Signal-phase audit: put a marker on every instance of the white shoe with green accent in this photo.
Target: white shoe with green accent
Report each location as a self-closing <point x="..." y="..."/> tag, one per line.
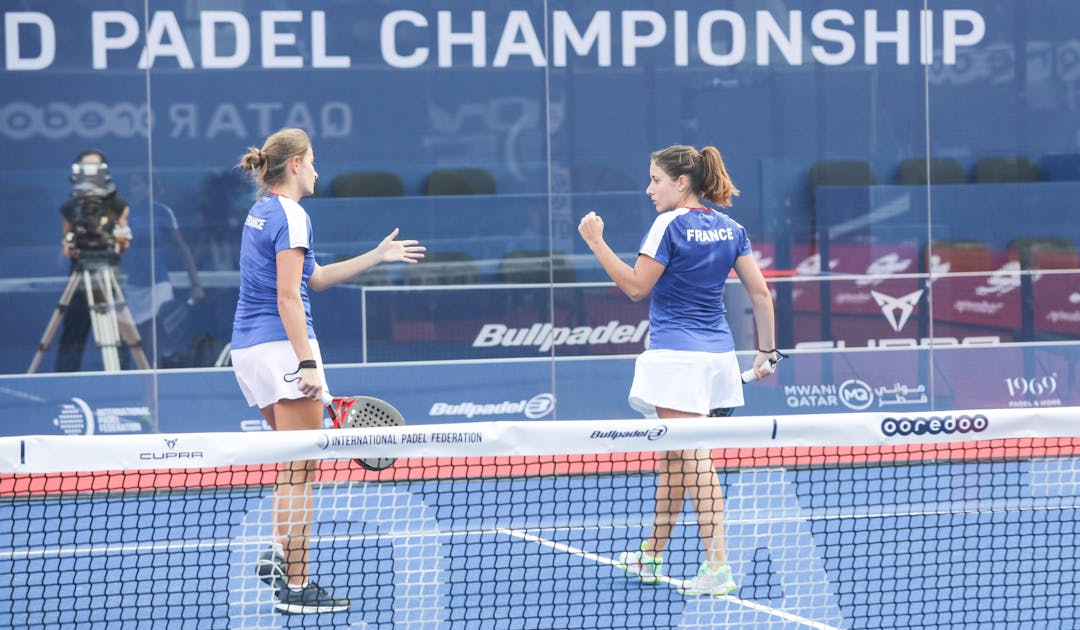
<point x="709" y="582"/>
<point x="649" y="569"/>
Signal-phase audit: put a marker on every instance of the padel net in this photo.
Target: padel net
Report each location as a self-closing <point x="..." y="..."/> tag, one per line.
<point x="861" y="520"/>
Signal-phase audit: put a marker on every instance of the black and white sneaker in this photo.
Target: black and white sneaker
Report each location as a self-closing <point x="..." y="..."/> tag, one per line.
<point x="309" y="600"/>
<point x="271" y="566"/>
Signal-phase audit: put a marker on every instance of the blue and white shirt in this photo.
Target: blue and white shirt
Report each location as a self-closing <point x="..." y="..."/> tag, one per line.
<point x="273" y="224"/>
<point x="698" y="248"/>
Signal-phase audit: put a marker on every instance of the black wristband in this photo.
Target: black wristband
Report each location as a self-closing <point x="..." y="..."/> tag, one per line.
<point x="305" y="364"/>
<point x="767" y="351"/>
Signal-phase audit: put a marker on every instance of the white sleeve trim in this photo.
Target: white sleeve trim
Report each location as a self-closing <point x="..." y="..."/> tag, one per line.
<point x="297" y="220"/>
<point x="656" y="232"/>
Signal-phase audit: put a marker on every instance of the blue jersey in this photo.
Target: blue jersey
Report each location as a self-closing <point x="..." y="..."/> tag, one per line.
<point x="273" y="224"/>
<point x="698" y="248"/>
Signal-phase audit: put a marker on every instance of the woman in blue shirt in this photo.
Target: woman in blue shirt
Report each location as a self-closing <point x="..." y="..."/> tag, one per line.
<point x="274" y="350"/>
<point x="690" y="367"/>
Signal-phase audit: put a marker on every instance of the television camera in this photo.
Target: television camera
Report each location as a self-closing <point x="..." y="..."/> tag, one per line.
<point x="93" y="228"/>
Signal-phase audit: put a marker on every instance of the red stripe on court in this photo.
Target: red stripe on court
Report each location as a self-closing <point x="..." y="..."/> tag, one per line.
<point x="533" y="466"/>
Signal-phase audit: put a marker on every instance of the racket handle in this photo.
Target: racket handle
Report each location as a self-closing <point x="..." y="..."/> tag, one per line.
<point x="749" y="376"/>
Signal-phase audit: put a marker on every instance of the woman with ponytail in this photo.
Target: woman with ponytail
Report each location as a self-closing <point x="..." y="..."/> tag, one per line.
<point x="274" y="350"/>
<point x="689" y="369"/>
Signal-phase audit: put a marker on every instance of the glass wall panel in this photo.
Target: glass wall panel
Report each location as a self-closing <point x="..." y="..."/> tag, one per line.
<point x="905" y="173"/>
<point x="74" y="131"/>
<point x="1002" y="247"/>
<point x="812" y="108"/>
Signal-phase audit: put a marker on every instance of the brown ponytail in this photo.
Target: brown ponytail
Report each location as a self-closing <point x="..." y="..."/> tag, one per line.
<point x="705" y="171"/>
<point x="267" y="165"/>
<point x="716" y="184"/>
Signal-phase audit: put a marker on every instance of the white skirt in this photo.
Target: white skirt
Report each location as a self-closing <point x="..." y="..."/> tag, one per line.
<point x="261" y="370"/>
<point x="694" y="382"/>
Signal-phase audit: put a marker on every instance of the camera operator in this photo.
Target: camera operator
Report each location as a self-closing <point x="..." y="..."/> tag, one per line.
<point x="95" y="231"/>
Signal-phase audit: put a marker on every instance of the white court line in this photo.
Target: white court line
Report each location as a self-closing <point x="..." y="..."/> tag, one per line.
<point x="671" y="581"/>
<point x="244" y="541"/>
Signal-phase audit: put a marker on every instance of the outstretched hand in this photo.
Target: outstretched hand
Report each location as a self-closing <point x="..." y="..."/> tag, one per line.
<point x="390" y="250"/>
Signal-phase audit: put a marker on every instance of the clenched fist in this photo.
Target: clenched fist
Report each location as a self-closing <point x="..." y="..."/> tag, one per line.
<point x="591" y="228"/>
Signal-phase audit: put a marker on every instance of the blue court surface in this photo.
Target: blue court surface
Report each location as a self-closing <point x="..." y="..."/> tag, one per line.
<point x="927" y="545"/>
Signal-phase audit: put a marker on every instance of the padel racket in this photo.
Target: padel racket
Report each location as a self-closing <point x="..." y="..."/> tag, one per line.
<point x="352" y="412"/>
<point x="750" y="375"/>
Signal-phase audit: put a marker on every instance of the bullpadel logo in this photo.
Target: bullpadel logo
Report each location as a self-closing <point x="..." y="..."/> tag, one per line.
<point x="652" y="434"/>
<point x="934" y="425"/>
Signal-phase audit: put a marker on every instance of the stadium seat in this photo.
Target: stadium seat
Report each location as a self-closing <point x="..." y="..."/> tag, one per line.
<point x="1044" y="252"/>
<point x="444" y="268"/>
<point x="913" y="171"/>
<point x="960" y="255"/>
<point x="842" y="173"/>
<point x="536" y="267"/>
<point x="460" y="181"/>
<point x="1006" y="169"/>
<point x="373" y="184"/>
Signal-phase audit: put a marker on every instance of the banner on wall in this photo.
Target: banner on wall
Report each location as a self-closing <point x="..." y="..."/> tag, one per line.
<point x="542" y="390"/>
<point x="502" y="322"/>
<point x="217" y="38"/>
<point x="214" y="62"/>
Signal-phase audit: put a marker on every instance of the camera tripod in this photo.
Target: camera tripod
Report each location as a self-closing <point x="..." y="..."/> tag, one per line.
<point x="110" y="319"/>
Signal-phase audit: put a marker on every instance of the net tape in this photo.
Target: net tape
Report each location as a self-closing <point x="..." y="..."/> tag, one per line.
<point x="54" y="454"/>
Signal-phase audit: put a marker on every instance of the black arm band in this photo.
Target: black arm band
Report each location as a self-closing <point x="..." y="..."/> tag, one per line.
<point x="767" y="351"/>
<point x="308" y="363"/>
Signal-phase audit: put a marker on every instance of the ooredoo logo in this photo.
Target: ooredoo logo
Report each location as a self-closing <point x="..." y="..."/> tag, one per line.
<point x="934" y="425"/>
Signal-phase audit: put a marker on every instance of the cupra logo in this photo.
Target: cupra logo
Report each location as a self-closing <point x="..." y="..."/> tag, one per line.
<point x="897" y="310"/>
